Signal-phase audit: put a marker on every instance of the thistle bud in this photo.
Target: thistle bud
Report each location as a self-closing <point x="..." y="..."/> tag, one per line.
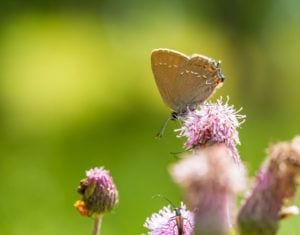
<point x="99" y="193"/>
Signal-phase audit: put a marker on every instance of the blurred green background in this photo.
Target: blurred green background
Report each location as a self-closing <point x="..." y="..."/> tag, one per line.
<point x="77" y="91"/>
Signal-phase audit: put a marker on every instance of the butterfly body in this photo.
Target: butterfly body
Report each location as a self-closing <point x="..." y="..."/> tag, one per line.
<point x="184" y="81"/>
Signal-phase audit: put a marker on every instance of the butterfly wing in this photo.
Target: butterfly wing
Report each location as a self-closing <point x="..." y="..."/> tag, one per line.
<point x="196" y="82"/>
<point x="166" y="65"/>
<point x="181" y="80"/>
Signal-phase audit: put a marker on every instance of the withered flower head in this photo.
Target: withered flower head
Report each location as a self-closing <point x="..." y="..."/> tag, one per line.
<point x="273" y="194"/>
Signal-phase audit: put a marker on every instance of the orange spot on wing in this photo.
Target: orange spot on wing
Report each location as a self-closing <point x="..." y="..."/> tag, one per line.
<point x="211" y="69"/>
<point x="217" y="80"/>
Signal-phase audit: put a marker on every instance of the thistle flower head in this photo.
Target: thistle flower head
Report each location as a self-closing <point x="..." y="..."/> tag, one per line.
<point x="207" y="168"/>
<point x="274" y="190"/>
<point x="164" y="222"/>
<point x="212" y="123"/>
<point x="210" y="180"/>
<point x="99" y="193"/>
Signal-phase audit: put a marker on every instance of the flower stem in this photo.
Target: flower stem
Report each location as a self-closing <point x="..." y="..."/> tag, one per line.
<point x="97" y="225"/>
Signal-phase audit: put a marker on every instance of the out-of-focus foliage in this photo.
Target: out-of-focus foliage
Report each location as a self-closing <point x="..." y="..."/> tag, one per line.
<point x="76" y="91"/>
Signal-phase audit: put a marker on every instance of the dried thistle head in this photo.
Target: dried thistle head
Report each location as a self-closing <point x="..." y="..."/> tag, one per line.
<point x="274" y="190"/>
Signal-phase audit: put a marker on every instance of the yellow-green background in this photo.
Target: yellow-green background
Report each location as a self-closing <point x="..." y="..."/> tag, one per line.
<point x="77" y="91"/>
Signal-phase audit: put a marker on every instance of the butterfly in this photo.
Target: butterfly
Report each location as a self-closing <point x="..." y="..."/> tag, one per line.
<point x="184" y="81"/>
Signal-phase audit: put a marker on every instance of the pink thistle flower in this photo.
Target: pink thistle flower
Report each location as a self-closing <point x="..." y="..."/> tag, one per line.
<point x="273" y="192"/>
<point x="164" y="222"/>
<point x="211" y="181"/>
<point x="212" y="123"/>
<point x="99" y="193"/>
<point x="99" y="176"/>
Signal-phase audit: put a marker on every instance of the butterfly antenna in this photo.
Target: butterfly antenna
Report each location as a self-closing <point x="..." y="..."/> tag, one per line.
<point x="163" y="197"/>
<point x="161" y="131"/>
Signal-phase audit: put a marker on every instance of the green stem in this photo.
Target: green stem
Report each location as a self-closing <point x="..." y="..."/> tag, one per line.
<point x="97" y="225"/>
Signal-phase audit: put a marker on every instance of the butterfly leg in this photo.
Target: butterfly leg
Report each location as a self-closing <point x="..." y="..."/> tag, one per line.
<point x="163" y="128"/>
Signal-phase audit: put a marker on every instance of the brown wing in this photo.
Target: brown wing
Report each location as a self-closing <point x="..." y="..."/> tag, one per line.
<point x="166" y="65"/>
<point x="196" y="82"/>
<point x="183" y="81"/>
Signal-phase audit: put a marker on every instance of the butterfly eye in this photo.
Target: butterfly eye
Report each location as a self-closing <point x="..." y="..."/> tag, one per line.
<point x="221" y="75"/>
